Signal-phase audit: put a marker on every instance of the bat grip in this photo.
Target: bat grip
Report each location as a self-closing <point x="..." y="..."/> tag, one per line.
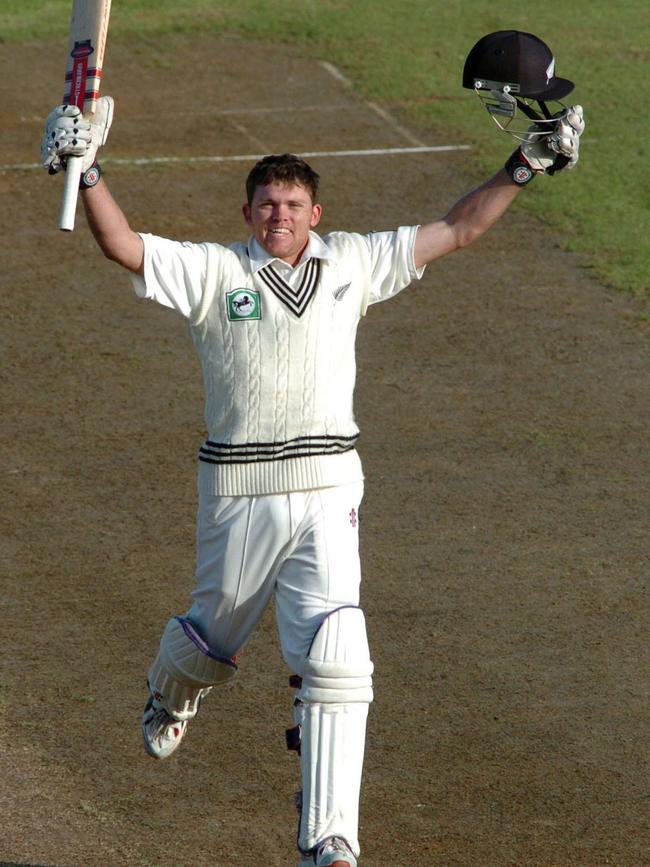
<point x="70" y="192"/>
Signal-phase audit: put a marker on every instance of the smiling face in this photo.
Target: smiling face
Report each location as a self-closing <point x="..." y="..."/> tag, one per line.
<point x="280" y="216"/>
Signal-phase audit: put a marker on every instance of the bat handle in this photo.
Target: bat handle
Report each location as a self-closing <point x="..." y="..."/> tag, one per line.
<point x="70" y="192"/>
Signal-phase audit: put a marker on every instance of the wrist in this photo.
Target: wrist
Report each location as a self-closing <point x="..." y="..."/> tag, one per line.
<point x="519" y="169"/>
<point x="90" y="178"/>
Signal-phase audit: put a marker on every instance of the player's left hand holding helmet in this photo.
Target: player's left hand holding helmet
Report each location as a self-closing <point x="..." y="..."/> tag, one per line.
<point x="542" y="147"/>
<point x="565" y="139"/>
<point x="509" y="70"/>
<point x="69" y="133"/>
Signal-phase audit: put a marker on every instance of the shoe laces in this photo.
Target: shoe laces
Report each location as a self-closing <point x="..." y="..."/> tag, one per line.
<point x="159" y="722"/>
<point x="336" y="845"/>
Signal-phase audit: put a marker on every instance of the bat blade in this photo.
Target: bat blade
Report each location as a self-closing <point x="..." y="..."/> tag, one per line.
<point x="85" y="60"/>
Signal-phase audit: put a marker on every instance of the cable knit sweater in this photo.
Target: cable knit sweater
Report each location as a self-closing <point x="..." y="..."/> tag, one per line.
<point x="276" y="346"/>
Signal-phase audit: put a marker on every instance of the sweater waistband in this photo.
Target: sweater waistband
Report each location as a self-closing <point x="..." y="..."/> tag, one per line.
<point x="299" y="447"/>
<point x="233" y="477"/>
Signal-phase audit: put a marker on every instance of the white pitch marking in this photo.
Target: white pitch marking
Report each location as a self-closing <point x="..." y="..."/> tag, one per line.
<point x="335" y="72"/>
<point x="395" y="125"/>
<point x="372" y="152"/>
<point x="383" y="114"/>
<point x="278" y="109"/>
<point x="236" y="158"/>
<point x="252" y="139"/>
<point x="20" y="167"/>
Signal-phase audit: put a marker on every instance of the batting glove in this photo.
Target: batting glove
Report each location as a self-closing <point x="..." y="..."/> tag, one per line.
<point x="69" y="133"/>
<point x="543" y="150"/>
<point x="565" y="138"/>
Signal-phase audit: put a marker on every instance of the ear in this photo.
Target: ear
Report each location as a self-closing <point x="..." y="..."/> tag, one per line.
<point x="316" y="213"/>
<point x="246" y="211"/>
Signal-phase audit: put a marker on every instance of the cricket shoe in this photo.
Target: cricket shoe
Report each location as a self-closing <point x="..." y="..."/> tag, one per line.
<point x="333" y="852"/>
<point x="161" y="732"/>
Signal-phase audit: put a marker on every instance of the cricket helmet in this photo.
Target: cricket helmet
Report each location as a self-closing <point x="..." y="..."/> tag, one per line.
<point x="507" y="70"/>
<point x="518" y="60"/>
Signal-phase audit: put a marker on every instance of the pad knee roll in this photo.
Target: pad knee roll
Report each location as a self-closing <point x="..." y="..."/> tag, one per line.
<point x="185" y="667"/>
<point x="338" y="668"/>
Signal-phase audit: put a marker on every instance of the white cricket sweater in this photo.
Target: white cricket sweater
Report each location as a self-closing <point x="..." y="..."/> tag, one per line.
<point x="276" y="347"/>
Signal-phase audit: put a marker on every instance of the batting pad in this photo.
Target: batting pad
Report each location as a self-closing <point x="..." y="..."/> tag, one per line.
<point x="334" y="697"/>
<point x="184" y="668"/>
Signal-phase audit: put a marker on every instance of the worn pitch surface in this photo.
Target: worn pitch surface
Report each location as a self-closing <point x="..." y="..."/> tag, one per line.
<point x="504" y="404"/>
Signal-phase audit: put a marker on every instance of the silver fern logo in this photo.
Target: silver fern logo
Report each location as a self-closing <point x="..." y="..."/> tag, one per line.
<point x="340" y="292"/>
<point x="550" y="72"/>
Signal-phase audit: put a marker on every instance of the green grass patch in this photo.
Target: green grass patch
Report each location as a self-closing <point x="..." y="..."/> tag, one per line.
<point x="410" y="55"/>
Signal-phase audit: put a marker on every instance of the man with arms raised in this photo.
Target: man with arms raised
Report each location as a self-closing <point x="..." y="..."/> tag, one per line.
<point x="280" y="482"/>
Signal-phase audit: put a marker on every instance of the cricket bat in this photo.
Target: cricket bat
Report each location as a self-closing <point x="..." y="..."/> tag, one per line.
<point x="88" y="28"/>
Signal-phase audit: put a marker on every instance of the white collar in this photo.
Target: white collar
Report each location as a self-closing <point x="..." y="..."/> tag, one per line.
<point x="316" y="249"/>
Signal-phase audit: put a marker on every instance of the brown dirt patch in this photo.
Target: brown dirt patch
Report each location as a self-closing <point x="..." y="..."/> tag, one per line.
<point x="504" y="404"/>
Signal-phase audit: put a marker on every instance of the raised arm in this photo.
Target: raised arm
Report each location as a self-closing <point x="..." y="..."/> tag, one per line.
<point x="468" y="219"/>
<point x="547" y="152"/>
<point x="111" y="229"/>
<point x="68" y="133"/>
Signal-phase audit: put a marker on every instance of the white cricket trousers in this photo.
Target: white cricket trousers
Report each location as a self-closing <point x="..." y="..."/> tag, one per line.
<point x="301" y="548"/>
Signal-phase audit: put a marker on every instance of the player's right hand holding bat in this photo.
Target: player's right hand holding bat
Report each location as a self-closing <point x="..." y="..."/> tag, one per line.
<point x="69" y="133"/>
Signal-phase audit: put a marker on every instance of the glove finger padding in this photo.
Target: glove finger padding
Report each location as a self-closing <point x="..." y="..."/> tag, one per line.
<point x="565" y="139"/>
<point x="542" y="149"/>
<point x="575" y="117"/>
<point x="567" y="142"/>
<point x="66" y="132"/>
<point x="69" y="133"/>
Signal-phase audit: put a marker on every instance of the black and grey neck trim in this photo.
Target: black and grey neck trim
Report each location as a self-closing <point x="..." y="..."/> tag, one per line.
<point x="297" y="300"/>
